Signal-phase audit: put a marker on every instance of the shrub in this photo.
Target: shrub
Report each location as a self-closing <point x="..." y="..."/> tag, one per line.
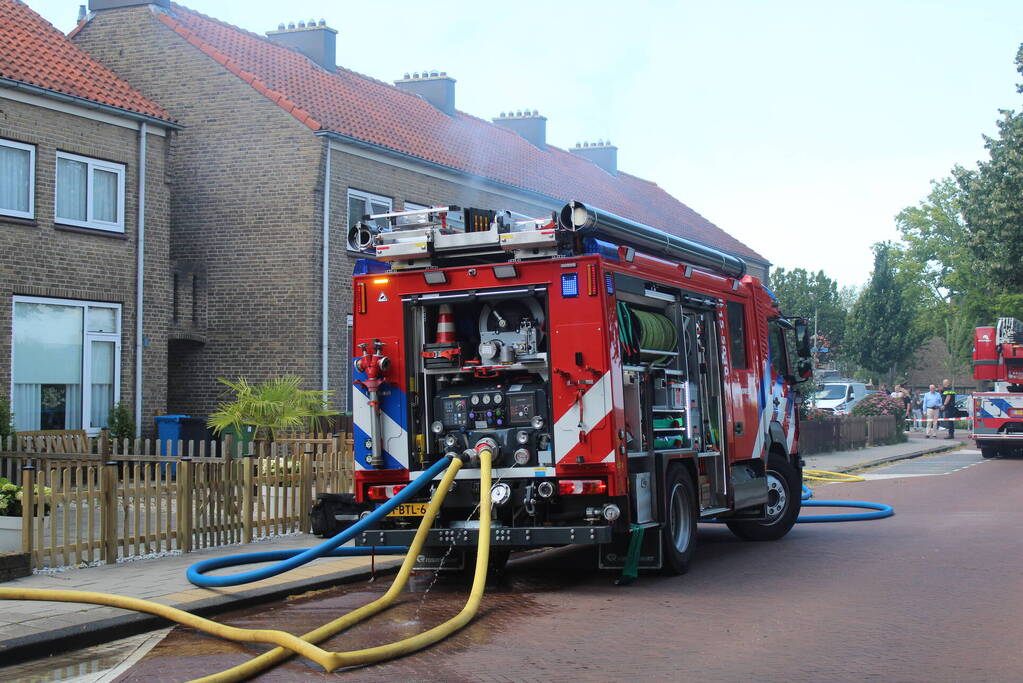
<point x="120" y="423"/>
<point x="879" y="404"/>
<point x="6" y="419"/>
<point x="11" y="495"/>
<point x="278" y="404"/>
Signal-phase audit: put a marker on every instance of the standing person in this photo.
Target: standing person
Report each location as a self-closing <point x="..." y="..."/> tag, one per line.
<point x="932" y="409"/>
<point x="918" y="412"/>
<point x="907" y="405"/>
<point x="948" y="407"/>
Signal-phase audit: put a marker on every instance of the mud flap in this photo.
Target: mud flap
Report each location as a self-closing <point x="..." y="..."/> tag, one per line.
<point x="646" y="551"/>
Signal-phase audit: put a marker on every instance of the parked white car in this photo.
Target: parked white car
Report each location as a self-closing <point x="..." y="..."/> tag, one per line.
<point x="839" y="396"/>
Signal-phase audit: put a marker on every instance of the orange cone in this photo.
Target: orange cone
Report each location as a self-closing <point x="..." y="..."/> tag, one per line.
<point x="445" y="325"/>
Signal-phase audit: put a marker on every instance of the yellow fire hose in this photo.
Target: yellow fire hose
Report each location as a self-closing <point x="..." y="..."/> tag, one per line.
<point x="824" y="475"/>
<point x="289" y="644"/>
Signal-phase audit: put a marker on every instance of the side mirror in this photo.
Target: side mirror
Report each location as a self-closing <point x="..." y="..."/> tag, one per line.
<point x="802" y="329"/>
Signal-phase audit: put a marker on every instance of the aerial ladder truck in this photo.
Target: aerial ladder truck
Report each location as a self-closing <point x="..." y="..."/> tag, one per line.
<point x="998" y="411"/>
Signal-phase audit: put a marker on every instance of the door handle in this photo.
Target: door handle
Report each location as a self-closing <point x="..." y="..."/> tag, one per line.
<point x="738" y="429"/>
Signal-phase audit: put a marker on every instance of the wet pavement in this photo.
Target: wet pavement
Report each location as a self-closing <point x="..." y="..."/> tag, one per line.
<point x="932" y="594"/>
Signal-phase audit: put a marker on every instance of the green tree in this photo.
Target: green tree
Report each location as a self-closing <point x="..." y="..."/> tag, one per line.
<point x="801" y="292"/>
<point x="881" y="335"/>
<point x="993" y="200"/>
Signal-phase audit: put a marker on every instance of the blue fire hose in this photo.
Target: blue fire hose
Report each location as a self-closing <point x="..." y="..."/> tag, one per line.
<point x="879" y="510"/>
<point x="287" y="560"/>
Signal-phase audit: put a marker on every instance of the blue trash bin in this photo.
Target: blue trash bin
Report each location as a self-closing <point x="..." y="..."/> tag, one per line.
<point x="170" y="429"/>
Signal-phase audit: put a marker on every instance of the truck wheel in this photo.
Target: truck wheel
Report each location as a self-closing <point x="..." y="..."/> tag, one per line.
<point x="784" y="489"/>
<point x="989" y="451"/>
<point x="678" y="534"/>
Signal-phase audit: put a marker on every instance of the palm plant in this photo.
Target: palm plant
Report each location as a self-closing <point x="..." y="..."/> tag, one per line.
<point x="271" y="406"/>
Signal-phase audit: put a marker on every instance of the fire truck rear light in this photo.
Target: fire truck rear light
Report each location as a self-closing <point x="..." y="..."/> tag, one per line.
<point x="585" y="487"/>
<point x="381" y="280"/>
<point x="591" y="279"/>
<point x="361" y="297"/>
<point x="383" y="491"/>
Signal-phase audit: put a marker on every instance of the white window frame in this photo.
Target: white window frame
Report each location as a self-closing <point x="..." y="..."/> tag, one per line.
<point x="87" y="339"/>
<point x="31" y="149"/>
<point x="92" y="165"/>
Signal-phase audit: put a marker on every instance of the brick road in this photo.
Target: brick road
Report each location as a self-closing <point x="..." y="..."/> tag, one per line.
<point x="932" y="594"/>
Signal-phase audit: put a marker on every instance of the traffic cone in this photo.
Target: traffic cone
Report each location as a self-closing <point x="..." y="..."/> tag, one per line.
<point x="445" y="325"/>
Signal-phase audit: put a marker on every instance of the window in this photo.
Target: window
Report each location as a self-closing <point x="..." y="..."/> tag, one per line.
<point x="363" y="203"/>
<point x="737" y="335"/>
<point x="90" y="193"/>
<point x="17" y="179"/>
<point x="776" y="344"/>
<point x="66" y="368"/>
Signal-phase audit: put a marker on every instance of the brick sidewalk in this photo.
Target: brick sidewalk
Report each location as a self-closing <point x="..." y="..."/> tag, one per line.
<point x="845" y="461"/>
<point x="35" y="629"/>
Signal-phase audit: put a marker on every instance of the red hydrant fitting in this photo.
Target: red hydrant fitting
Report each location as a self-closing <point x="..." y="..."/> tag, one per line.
<point x="375" y="365"/>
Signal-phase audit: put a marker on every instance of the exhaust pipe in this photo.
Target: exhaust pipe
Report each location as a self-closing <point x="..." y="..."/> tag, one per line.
<point x="577" y="217"/>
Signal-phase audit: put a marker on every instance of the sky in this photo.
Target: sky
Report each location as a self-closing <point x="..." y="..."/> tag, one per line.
<point x="801" y="128"/>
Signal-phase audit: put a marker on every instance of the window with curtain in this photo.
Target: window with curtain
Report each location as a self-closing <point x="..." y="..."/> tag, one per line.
<point x="65" y="364"/>
<point x="17" y="179"/>
<point x="89" y="193"/>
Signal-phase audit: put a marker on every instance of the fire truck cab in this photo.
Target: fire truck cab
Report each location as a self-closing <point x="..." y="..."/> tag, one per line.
<point x="630" y="383"/>
<point x="998" y="413"/>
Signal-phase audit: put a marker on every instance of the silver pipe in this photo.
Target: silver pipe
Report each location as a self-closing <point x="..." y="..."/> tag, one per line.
<point x="376" y="456"/>
<point x="576" y="216"/>
<point x="140" y="278"/>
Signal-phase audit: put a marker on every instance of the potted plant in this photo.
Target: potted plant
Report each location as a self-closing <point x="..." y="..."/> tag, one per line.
<point x="266" y="408"/>
<point x="11" y="496"/>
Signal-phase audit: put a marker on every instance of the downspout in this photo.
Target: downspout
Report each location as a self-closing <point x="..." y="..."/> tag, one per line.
<point x="140" y="279"/>
<point x="325" y="317"/>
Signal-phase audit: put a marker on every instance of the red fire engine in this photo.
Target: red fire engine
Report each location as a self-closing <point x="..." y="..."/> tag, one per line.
<point x="627" y="380"/>
<point x="998" y="414"/>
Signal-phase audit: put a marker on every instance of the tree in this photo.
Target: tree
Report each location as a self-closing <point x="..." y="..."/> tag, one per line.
<point x="993" y="200"/>
<point x="881" y="336"/>
<point x="804" y="293"/>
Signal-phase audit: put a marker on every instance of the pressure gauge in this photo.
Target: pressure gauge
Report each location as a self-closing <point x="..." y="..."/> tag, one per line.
<point x="498" y="398"/>
<point x="486" y="399"/>
<point x="475" y="399"/>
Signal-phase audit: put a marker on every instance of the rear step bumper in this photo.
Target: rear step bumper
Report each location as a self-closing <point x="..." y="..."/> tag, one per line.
<point x="520" y="537"/>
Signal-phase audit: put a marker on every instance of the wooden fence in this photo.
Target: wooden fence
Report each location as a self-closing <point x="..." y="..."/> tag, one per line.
<point x="106" y="501"/>
<point x="847" y="432"/>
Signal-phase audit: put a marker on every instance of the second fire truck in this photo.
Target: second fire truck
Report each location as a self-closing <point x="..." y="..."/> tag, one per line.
<point x="629" y="382"/>
<point x="998" y="412"/>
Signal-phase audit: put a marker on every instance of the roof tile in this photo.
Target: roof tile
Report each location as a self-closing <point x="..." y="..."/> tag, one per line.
<point x="355" y="105"/>
<point x="32" y="51"/>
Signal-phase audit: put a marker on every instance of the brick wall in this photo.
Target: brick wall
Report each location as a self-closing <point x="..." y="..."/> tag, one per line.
<point x="41" y="258"/>
<point x="245" y="212"/>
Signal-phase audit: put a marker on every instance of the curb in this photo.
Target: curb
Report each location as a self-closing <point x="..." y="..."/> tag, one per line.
<point x="904" y="456"/>
<point x="49" y="643"/>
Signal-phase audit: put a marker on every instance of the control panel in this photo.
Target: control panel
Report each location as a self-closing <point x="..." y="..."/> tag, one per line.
<point x="491" y="407"/>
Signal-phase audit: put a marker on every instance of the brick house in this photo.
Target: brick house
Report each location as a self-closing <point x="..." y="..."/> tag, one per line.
<point x="82" y="188"/>
<point x="282" y="151"/>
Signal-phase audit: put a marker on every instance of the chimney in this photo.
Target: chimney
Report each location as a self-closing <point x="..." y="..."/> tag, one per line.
<point x="602" y="153"/>
<point x="436" y="88"/>
<point x="317" y="41"/>
<point x="83" y="14"/>
<point x="527" y="124"/>
<point x="97" y="5"/>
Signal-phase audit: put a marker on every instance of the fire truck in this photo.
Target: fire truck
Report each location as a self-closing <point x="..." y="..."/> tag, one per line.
<point x="629" y="382"/>
<point x="998" y="413"/>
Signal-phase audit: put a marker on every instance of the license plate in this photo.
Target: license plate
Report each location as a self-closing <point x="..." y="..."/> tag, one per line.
<point x="408" y="510"/>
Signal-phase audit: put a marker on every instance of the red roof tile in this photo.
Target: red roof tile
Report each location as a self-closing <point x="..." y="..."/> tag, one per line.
<point x="354" y="105"/>
<point x="32" y="51"/>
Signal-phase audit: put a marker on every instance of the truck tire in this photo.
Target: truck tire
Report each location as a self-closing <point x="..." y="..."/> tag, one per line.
<point x="989" y="452"/>
<point x="784" y="489"/>
<point x="678" y="534"/>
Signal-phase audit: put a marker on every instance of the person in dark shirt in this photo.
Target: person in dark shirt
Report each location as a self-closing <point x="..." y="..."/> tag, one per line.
<point x="948" y="407"/>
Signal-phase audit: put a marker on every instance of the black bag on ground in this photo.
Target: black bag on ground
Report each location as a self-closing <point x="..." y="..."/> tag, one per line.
<point x="334" y="512"/>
